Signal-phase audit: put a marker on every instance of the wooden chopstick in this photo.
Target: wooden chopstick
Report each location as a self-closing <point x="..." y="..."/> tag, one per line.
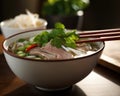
<point x="99" y="31"/>
<point x="100" y="35"/>
<point x="100" y="39"/>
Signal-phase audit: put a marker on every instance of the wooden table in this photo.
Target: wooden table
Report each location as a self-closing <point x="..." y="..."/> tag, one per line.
<point x="111" y="55"/>
<point x="1" y="40"/>
<point x="100" y="82"/>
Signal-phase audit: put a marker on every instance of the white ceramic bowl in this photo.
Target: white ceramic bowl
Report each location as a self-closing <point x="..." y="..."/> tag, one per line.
<point x="50" y="74"/>
<point x="9" y="31"/>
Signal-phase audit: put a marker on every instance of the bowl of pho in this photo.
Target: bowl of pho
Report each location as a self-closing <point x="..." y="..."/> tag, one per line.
<point x="51" y="59"/>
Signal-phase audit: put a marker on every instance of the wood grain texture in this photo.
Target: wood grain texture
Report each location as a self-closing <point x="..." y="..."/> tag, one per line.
<point x="1" y="40"/>
<point x="111" y="55"/>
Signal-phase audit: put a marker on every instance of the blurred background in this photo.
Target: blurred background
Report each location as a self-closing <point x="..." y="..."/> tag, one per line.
<point x="100" y="14"/>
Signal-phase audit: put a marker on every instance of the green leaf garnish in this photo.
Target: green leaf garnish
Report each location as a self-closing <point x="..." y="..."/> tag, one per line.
<point x="58" y="42"/>
<point x="58" y="37"/>
<point x="59" y="25"/>
<point x="57" y="33"/>
<point x="42" y="38"/>
<point x="21" y="40"/>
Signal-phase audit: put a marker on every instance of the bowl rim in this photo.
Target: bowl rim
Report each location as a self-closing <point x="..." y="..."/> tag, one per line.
<point x="53" y="60"/>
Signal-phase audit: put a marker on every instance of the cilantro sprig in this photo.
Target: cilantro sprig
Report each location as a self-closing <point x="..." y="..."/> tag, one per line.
<point x="58" y="37"/>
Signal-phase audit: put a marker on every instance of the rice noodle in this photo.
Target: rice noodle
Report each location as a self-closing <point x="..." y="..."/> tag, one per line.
<point x="24" y="21"/>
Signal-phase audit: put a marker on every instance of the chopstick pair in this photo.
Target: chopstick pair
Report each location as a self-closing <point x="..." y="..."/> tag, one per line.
<point x="100" y="35"/>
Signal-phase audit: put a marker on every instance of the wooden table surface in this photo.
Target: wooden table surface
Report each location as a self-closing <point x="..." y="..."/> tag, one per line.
<point x="1" y="40"/>
<point x="100" y="82"/>
<point x="111" y="55"/>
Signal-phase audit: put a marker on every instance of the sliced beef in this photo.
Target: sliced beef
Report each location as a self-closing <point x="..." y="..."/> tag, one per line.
<point x="51" y="52"/>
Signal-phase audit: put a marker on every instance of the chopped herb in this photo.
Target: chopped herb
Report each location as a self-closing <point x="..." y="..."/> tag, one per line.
<point x="42" y="38"/>
<point x="58" y="37"/>
<point x="57" y="41"/>
<point x="59" y="25"/>
<point x="21" y="40"/>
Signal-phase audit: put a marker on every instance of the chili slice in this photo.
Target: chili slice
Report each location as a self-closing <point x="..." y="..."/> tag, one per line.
<point x="30" y="47"/>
